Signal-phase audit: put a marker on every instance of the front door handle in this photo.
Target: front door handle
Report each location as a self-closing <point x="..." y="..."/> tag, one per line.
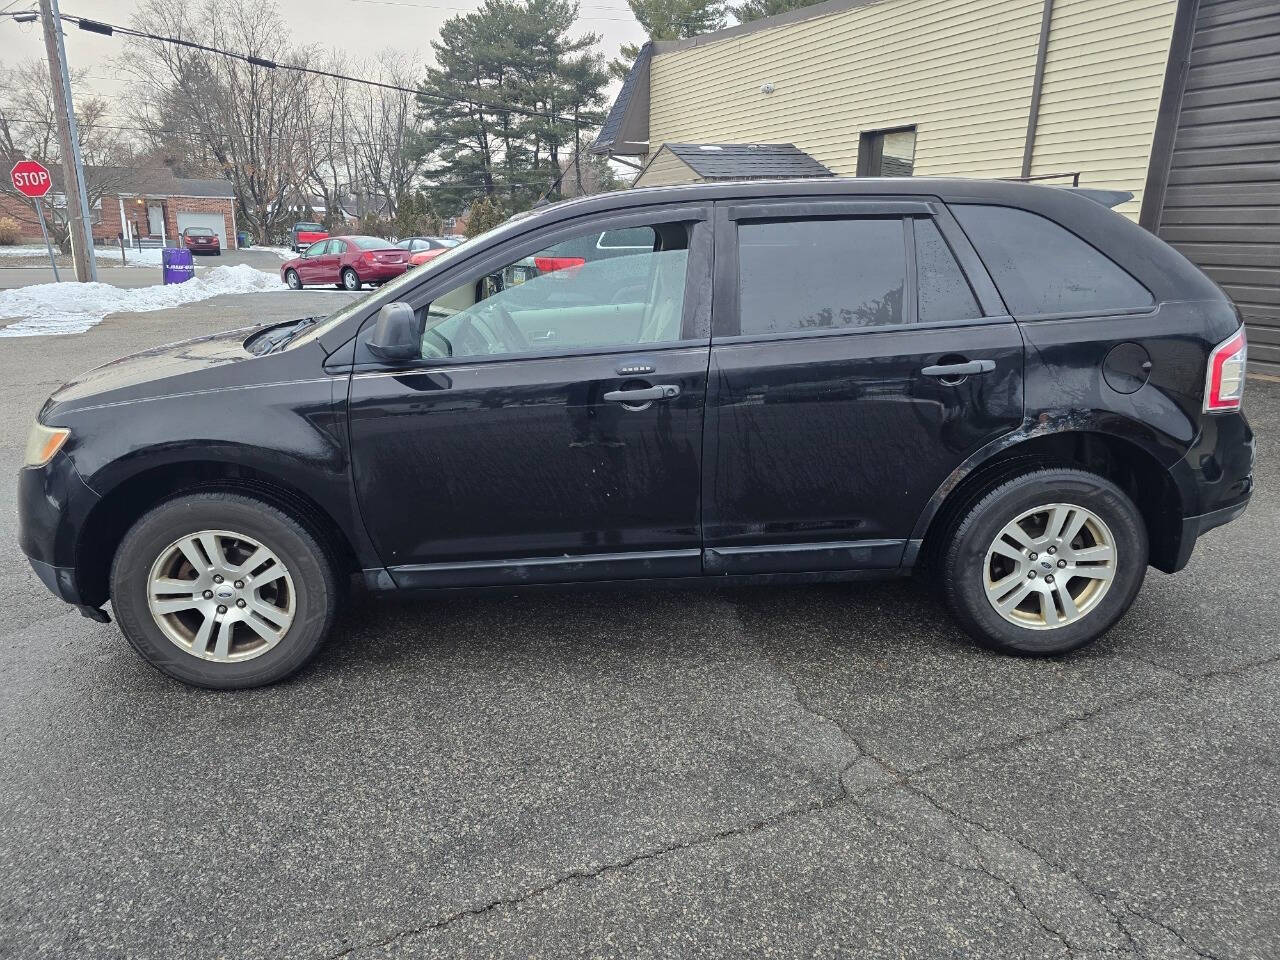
<point x="663" y="391"/>
<point x="954" y="371"/>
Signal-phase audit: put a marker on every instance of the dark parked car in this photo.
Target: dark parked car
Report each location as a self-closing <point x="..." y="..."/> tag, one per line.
<point x="201" y="240"/>
<point x="1010" y="387"/>
<point x="347" y="262"/>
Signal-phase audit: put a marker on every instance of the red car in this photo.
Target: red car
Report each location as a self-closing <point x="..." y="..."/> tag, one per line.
<point x="348" y="262"/>
<point x="201" y="240"/>
<point x="425" y="249"/>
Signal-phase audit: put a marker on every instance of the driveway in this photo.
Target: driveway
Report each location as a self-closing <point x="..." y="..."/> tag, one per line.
<point x="791" y="772"/>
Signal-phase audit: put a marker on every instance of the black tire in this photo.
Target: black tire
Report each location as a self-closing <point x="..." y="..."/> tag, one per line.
<point x="350" y="279"/>
<point x="293" y="280"/>
<point x="312" y="571"/>
<point x="964" y="560"/>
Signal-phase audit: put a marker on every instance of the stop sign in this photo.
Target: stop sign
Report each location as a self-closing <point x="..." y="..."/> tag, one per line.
<point x="31" y="178"/>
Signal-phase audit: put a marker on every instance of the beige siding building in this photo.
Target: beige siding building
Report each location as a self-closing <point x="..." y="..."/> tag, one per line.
<point x="1174" y="101"/>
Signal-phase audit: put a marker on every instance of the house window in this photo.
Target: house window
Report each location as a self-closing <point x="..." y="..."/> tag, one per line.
<point x="887" y="153"/>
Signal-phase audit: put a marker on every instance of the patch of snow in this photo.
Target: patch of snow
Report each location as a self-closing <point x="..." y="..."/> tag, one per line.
<point x="284" y="253"/>
<point x="26" y="251"/>
<point x="52" y="309"/>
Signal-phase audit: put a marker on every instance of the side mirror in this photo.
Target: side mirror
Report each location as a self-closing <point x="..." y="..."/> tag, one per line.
<point x="395" y="333"/>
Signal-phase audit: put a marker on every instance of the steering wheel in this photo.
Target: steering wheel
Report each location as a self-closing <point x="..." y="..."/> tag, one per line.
<point x="505" y="327"/>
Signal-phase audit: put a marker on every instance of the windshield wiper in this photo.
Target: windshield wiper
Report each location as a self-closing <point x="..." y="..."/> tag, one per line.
<point x="283" y="334"/>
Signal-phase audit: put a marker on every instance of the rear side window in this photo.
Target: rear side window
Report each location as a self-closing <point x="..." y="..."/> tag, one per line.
<point x="1041" y="267"/>
<point x="944" y="293"/>
<point x="797" y="275"/>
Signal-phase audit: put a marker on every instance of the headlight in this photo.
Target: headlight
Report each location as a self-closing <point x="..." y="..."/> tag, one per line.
<point x="42" y="443"/>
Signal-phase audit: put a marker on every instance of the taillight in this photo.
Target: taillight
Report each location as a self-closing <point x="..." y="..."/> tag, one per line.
<point x="366" y="257"/>
<point x="551" y="264"/>
<point x="1224" y="383"/>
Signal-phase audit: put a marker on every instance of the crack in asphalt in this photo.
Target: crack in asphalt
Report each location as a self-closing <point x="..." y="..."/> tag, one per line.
<point x="823" y="803"/>
<point x="1172" y="930"/>
<point x="900" y="779"/>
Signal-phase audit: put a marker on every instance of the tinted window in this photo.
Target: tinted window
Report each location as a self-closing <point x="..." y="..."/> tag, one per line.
<point x="1041" y="267"/>
<point x="369" y="243"/>
<point x="639" y="237"/>
<point x="554" y="302"/>
<point x="943" y="290"/>
<point x="820" y="274"/>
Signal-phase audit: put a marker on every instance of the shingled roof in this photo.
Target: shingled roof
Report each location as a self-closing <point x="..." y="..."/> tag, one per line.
<point x="747" y="161"/>
<point x="626" y="131"/>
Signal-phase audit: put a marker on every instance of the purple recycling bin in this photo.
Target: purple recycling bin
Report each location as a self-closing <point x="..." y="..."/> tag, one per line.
<point x="176" y="265"/>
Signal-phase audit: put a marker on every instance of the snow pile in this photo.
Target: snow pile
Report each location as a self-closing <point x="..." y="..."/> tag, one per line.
<point x="49" y="309"/>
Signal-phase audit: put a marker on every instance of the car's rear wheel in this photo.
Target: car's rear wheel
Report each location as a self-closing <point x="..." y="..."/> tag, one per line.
<point x="1046" y="562"/>
<point x="293" y="280"/>
<point x="222" y="590"/>
<point x="350" y="279"/>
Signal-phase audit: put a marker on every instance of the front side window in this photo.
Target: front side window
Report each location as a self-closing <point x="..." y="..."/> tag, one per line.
<point x="1043" y="268"/>
<point x="551" y="300"/>
<point x="318" y="249"/>
<point x="798" y="275"/>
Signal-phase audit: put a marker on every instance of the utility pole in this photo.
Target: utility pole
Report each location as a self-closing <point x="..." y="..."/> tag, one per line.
<point x="69" y="141"/>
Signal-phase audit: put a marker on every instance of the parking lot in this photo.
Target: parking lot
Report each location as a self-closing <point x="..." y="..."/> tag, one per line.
<point x="793" y="772"/>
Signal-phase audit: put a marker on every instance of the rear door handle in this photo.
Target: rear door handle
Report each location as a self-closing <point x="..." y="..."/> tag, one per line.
<point x="663" y="391"/>
<point x="949" y="371"/>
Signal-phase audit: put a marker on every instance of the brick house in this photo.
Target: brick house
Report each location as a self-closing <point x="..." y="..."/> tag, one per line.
<point x="149" y="205"/>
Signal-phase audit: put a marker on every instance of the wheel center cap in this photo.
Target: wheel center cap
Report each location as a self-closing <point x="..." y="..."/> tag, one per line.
<point x="1047" y="564"/>
<point x="224" y="591"/>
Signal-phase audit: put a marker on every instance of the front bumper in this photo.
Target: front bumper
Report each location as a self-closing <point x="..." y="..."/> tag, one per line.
<point x="53" y="504"/>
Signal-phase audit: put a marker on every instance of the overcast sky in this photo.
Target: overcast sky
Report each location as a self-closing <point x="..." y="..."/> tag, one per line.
<point x="360" y="27"/>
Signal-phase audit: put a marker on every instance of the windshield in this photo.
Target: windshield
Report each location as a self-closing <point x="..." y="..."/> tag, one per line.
<point x="389" y="292"/>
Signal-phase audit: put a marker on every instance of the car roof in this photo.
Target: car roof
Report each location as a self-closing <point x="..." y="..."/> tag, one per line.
<point x="1163" y="270"/>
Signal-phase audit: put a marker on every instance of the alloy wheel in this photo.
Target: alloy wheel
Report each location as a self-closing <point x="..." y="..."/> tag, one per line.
<point x="221" y="596"/>
<point x="1050" y="566"/>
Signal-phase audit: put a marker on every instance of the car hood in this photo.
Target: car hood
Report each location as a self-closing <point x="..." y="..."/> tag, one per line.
<point x="187" y="366"/>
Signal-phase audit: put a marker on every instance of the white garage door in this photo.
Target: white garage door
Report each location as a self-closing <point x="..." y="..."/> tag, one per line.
<point x="214" y="221"/>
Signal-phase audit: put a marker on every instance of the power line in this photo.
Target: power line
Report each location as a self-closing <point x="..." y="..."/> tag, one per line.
<point x="109" y="29"/>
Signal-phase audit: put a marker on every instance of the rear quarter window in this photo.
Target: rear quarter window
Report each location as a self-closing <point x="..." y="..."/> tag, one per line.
<point x="1041" y="267"/>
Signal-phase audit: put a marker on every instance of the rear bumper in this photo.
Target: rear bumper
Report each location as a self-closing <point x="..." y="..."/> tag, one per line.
<point x="1194" y="527"/>
<point x="1217" y="479"/>
<point x="378" y="272"/>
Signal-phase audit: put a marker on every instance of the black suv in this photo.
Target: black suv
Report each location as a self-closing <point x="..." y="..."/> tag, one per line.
<point x="1011" y="385"/>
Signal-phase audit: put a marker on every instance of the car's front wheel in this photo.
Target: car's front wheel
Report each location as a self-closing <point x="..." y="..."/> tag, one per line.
<point x="223" y="590"/>
<point x="293" y="280"/>
<point x="1046" y="562"/>
<point x="350" y="279"/>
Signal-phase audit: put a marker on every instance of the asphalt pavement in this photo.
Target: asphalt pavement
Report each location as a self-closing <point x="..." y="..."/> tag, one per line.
<point x="790" y="772"/>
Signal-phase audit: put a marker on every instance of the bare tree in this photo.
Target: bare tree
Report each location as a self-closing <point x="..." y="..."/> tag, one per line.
<point x="385" y="123"/>
<point x="246" y="121"/>
<point x="29" y="131"/>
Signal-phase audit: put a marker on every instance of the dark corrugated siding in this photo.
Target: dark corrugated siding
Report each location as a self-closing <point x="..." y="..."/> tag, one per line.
<point x="1222" y="205"/>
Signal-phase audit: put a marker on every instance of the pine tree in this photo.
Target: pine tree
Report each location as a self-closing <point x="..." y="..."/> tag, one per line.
<point x="669" y="20"/>
<point x="512" y="96"/>
<point x="750" y="10"/>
